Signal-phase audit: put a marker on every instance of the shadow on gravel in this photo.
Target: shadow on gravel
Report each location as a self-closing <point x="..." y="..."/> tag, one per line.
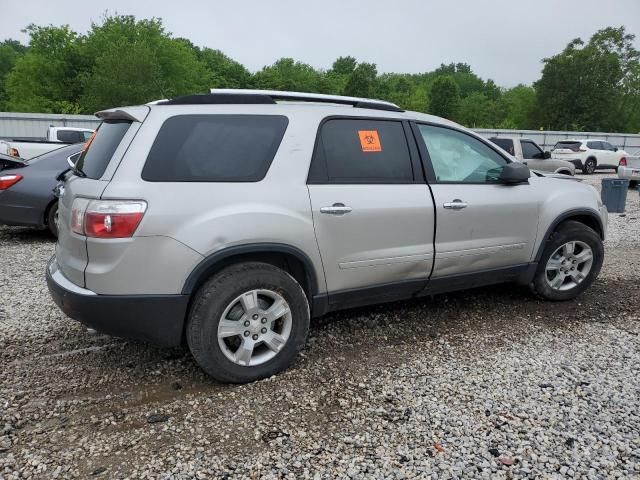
<point x="25" y="235"/>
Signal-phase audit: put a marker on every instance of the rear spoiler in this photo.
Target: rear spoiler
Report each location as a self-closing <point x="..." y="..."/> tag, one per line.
<point x="134" y="114"/>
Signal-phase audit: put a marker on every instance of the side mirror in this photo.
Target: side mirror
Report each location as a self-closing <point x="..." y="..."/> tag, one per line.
<point x="514" y="173"/>
<point x="547" y="154"/>
<point x="615" y="149"/>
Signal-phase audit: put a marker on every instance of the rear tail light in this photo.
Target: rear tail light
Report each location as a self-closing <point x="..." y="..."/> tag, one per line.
<point x="622" y="162"/>
<point x="7" y="181"/>
<point x="106" y="218"/>
<point x="14" y="152"/>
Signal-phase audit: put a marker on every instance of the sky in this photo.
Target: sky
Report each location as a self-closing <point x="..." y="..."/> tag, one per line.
<point x="501" y="39"/>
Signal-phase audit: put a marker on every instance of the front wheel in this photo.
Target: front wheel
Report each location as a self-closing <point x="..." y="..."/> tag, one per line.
<point x="248" y="322"/>
<point x="570" y="262"/>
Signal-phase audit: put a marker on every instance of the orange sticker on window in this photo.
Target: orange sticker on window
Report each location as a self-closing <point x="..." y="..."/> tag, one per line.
<point x="369" y="141"/>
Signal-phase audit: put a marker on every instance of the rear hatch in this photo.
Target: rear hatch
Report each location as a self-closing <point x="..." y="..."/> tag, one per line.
<point x="94" y="169"/>
<point x="567" y="149"/>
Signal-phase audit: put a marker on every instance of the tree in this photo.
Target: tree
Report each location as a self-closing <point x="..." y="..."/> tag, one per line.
<point x="10" y="51"/>
<point x="287" y="74"/>
<point x="361" y="82"/>
<point x="45" y="78"/>
<point x="444" y="97"/>
<point x="164" y="67"/>
<point x="590" y="84"/>
<point x="475" y="111"/>
<point x="225" y="72"/>
<point x="518" y="103"/>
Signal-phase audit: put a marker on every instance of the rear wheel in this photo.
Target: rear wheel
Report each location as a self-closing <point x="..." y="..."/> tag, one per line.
<point x="589" y="166"/>
<point x="248" y="322"/>
<point x="570" y="262"/>
<point x="52" y="219"/>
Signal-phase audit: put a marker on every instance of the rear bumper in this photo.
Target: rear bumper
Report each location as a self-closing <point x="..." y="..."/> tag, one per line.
<point x="629" y="173"/>
<point x="158" y="319"/>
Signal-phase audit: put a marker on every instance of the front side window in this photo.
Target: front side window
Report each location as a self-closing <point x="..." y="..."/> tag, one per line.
<point x="531" y="150"/>
<point x="214" y="148"/>
<point x="594" y="145"/>
<point x="607" y="146"/>
<point x="361" y="151"/>
<point x="460" y="158"/>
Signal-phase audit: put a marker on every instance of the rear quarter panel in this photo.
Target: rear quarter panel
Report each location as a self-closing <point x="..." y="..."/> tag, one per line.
<point x="208" y="217"/>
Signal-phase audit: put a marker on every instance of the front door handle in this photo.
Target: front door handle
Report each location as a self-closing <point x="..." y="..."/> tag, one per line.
<point x="457" y="204"/>
<point x="336" y="209"/>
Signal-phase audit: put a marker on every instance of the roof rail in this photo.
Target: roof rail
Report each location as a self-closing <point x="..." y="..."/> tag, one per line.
<point x="356" y="102"/>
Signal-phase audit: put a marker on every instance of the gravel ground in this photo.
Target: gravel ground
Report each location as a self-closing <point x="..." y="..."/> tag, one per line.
<point x="489" y="383"/>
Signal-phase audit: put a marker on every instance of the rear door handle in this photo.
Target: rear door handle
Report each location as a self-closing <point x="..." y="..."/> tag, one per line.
<point x="457" y="204"/>
<point x="336" y="209"/>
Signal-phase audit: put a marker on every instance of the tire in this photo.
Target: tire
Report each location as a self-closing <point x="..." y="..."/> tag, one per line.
<point x="589" y="166"/>
<point x="230" y="293"/>
<point x="585" y="239"/>
<point x="52" y="215"/>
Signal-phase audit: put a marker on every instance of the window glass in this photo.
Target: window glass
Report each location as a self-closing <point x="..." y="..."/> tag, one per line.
<point x="594" y="145"/>
<point x="530" y="150"/>
<point x="460" y="158"/>
<point x="505" y="143"/>
<point x="94" y="160"/>
<point x="568" y="144"/>
<point x="363" y="151"/>
<point x="607" y="146"/>
<point x="70" y="136"/>
<point x="214" y="148"/>
<point x="86" y="136"/>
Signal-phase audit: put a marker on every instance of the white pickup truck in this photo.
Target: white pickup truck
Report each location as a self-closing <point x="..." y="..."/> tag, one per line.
<point x="57" y="137"/>
<point x="529" y="152"/>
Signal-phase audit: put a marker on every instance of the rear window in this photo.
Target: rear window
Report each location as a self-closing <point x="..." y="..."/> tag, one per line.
<point x="71" y="136"/>
<point x="94" y="160"/>
<point x="504" y="143"/>
<point x="575" y="146"/>
<point x="214" y="148"/>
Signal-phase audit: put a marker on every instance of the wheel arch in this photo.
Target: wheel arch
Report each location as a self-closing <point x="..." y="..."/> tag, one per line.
<point x="289" y="258"/>
<point x="587" y="217"/>
<point x="45" y="216"/>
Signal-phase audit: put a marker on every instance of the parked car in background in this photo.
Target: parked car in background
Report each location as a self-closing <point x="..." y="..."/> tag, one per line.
<point x="32" y="147"/>
<point x="26" y="189"/>
<point x="227" y="221"/>
<point x="8" y="161"/>
<point x="529" y="152"/>
<point x="629" y="168"/>
<point x="588" y="155"/>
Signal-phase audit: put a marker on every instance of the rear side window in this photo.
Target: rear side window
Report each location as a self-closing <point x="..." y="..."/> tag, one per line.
<point x="504" y="143"/>
<point x="214" y="148"/>
<point x="361" y="151"/>
<point x="95" y="158"/>
<point x="571" y="145"/>
<point x="70" y="136"/>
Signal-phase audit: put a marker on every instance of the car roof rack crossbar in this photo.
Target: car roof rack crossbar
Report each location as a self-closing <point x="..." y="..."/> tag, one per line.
<point x="285" y="96"/>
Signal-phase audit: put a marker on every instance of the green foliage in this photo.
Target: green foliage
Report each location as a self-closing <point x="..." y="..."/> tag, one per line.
<point x="592" y="85"/>
<point x="10" y="51"/>
<point x="444" y="97"/>
<point x="122" y="60"/>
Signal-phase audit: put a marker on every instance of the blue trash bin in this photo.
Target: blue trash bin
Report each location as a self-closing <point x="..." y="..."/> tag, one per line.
<point x="614" y="194"/>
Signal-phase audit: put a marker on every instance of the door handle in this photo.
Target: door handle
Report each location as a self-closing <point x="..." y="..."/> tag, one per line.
<point x="457" y="204"/>
<point x="336" y="209"/>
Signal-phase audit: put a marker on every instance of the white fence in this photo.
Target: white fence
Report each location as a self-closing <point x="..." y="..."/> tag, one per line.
<point x="18" y="125"/>
<point x="626" y="141"/>
<point x="36" y="124"/>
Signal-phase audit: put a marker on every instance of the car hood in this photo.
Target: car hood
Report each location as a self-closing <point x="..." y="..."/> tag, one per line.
<point x="556" y="175"/>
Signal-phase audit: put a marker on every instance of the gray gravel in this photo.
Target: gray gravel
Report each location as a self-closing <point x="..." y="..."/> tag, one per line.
<point x="489" y="383"/>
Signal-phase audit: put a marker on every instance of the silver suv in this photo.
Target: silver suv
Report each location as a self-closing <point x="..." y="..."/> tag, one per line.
<point x="227" y="220"/>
